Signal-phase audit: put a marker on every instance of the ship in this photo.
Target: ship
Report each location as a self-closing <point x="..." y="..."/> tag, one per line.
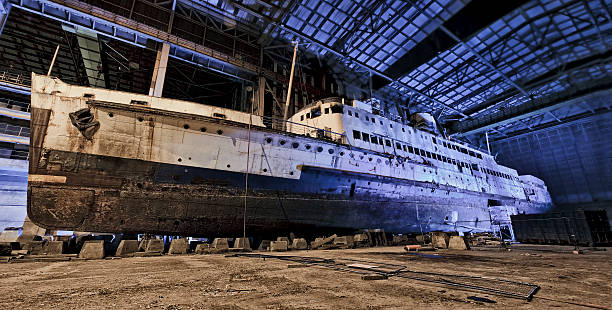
<point x="110" y="161"/>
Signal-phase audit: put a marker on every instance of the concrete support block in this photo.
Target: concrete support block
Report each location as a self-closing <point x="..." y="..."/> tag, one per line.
<point x="9" y="235"/>
<point x="202" y="248"/>
<point x="278" y="246"/>
<point x="242" y="243"/>
<point x="321" y="241"/>
<point x="178" y="246"/>
<point x="299" y="244"/>
<point x="127" y="248"/>
<point x="284" y="239"/>
<point x="155" y="246"/>
<point x="440" y="240"/>
<point x="220" y="244"/>
<point x="92" y="249"/>
<point x="346" y="241"/>
<point x="264" y="245"/>
<point x="400" y="240"/>
<point x="34" y="247"/>
<point x="458" y="243"/>
<point x="53" y="248"/>
<point x="361" y="238"/>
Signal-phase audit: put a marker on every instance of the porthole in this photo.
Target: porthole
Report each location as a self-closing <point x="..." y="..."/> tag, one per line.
<point x="319" y="149"/>
<point x="186" y="126"/>
<point x="180" y="159"/>
<point x="265" y="170"/>
<point x="295" y="145"/>
<point x="291" y="173"/>
<point x="219" y="132"/>
<point x="282" y="142"/>
<point x="308" y="146"/>
<point x="269" y="140"/>
<point x="370" y="158"/>
<point x="386" y="162"/>
<point x="341" y="153"/>
<point x="228" y="165"/>
<point x="203" y="129"/>
<point x="331" y="151"/>
<point x="111" y="114"/>
<point x="378" y="161"/>
<point x="140" y="119"/>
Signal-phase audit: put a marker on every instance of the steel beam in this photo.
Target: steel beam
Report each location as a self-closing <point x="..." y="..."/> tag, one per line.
<point x="5" y="9"/>
<point x="83" y="15"/>
<point x="474" y="52"/>
<point x="159" y="71"/>
<point x="496" y="122"/>
<point x="309" y="39"/>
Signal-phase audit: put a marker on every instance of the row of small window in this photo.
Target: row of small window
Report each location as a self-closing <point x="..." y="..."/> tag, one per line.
<point x="316" y="112"/>
<point x="409" y="149"/>
<point x="373" y="119"/>
<point x="497" y="174"/>
<point x="458" y="148"/>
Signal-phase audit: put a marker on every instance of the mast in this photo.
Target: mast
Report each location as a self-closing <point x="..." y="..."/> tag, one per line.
<point x="290" y="86"/>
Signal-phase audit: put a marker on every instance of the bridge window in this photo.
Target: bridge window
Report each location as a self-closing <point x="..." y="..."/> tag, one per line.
<point x="337" y="109"/>
<point x="428" y="154"/>
<point x="356" y="115"/>
<point x="405" y="149"/>
<point x="434" y="140"/>
<point x="302" y="117"/>
<point x="316" y="112"/>
<point x="373" y="120"/>
<point x="410" y="149"/>
<point x="367" y="118"/>
<point x="356" y="134"/>
<point x="326" y="110"/>
<point x="388" y="143"/>
<point x="349" y="113"/>
<point x="366" y="137"/>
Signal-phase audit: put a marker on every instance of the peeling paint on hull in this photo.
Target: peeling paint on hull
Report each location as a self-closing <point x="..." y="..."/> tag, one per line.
<point x="176" y="199"/>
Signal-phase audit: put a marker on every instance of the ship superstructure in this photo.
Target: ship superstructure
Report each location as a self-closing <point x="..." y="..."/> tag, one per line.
<point x="111" y="161"/>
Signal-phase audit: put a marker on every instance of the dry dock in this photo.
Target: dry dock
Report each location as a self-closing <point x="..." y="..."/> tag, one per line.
<point x="220" y="282"/>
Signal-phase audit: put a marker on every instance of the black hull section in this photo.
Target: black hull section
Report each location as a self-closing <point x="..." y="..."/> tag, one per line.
<point x="109" y="194"/>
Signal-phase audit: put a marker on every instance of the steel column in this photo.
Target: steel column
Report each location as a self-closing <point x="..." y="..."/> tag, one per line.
<point x="159" y="71"/>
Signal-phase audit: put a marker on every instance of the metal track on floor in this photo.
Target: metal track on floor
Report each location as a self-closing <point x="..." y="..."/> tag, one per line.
<point x="496" y="286"/>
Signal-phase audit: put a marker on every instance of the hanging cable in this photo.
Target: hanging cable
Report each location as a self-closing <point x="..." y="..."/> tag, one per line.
<point x="246" y="178"/>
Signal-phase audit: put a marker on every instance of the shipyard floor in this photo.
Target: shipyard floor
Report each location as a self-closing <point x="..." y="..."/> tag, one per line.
<point x="219" y="282"/>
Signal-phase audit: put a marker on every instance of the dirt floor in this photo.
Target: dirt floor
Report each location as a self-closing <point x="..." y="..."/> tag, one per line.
<point x="219" y="282"/>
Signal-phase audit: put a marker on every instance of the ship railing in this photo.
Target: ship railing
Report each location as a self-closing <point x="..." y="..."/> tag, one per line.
<point x="14" y="105"/>
<point x="13" y="77"/>
<point x="14" y="154"/>
<point x="304" y="130"/>
<point x="13" y="130"/>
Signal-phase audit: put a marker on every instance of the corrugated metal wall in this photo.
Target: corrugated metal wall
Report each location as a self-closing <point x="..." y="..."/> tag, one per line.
<point x="574" y="159"/>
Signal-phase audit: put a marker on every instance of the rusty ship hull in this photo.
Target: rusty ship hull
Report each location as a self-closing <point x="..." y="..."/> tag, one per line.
<point x="134" y="167"/>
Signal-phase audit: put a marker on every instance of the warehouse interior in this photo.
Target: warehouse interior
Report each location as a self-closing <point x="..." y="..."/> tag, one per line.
<point x="528" y="82"/>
